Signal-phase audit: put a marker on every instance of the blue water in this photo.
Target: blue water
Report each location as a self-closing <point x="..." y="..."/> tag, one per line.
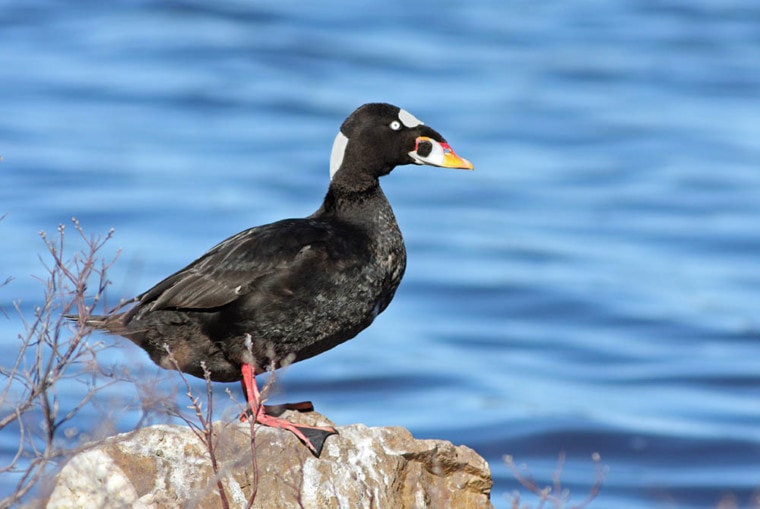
<point x="594" y="286"/>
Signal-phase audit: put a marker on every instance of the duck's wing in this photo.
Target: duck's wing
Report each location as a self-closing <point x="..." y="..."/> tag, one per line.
<point x="270" y="258"/>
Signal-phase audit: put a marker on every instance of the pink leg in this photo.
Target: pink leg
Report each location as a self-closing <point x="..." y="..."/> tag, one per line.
<point x="250" y="389"/>
<point x="254" y="402"/>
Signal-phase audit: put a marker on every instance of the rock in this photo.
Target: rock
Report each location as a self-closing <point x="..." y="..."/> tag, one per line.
<point x="168" y="466"/>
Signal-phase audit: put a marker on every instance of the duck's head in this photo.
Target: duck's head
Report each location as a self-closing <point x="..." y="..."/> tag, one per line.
<point x="378" y="137"/>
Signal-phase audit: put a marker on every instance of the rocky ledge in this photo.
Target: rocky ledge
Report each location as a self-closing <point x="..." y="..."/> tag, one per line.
<point x="167" y="466"/>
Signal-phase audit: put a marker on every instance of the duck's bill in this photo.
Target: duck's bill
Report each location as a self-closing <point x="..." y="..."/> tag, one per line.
<point x="435" y="153"/>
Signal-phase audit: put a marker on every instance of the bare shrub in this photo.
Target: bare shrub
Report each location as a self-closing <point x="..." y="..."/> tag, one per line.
<point x="52" y="349"/>
<point x="200" y="421"/>
<point x="554" y="494"/>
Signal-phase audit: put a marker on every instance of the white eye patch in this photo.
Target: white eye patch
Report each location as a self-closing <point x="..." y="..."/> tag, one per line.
<point x="408" y="119"/>
<point x="395" y="125"/>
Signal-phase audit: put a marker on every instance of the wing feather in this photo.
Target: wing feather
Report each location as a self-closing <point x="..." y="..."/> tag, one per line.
<point x="256" y="258"/>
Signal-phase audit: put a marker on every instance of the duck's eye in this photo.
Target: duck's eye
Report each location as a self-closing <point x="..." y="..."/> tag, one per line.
<point x="395" y="125"/>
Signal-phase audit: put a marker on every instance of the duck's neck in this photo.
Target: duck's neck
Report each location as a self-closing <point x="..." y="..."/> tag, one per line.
<point x="359" y="201"/>
<point x="367" y="209"/>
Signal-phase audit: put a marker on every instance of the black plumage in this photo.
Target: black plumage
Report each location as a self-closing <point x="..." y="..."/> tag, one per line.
<point x="289" y="290"/>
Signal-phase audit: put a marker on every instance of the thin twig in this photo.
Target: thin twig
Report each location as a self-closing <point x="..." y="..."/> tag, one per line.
<point x="555" y="494"/>
<point x="203" y="426"/>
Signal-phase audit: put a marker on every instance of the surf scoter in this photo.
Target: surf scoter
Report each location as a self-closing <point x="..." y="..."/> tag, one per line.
<point x="286" y="291"/>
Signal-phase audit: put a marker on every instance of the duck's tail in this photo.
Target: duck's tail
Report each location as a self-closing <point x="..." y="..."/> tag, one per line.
<point x="109" y="323"/>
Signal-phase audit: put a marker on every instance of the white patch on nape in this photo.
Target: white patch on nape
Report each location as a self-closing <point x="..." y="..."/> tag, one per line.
<point x="408" y="119"/>
<point x="338" y="151"/>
